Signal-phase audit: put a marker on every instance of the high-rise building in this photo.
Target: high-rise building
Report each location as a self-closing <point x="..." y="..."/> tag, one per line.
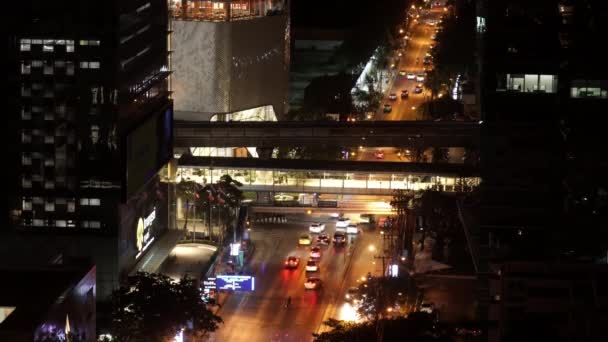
<point x="543" y="88"/>
<point x="91" y="124"/>
<point x="230" y="59"/>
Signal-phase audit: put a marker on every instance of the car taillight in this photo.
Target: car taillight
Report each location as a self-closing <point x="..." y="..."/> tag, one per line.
<point x="286" y="262"/>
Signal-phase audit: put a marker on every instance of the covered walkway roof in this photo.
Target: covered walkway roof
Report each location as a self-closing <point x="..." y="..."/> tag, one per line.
<point x="327" y="133"/>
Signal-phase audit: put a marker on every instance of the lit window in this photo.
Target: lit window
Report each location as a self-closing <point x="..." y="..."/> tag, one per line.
<point x="38" y="223"/>
<point x="84" y="65"/>
<point x="71" y="224"/>
<point x="49" y="139"/>
<point x="26" y="182"/>
<point x="36" y="41"/>
<point x="25" y="41"/>
<point x="48" y="41"/>
<point x="48" y="48"/>
<point x="26" y="68"/>
<point x="61" y="223"/>
<point x="95" y="224"/>
<point x="50" y="185"/>
<point x="481" y="24"/>
<point x="25" y="47"/>
<point x="48" y="70"/>
<point x="49" y="206"/>
<point x="94" y="42"/>
<point x="71" y="206"/>
<point x="60" y="42"/>
<point x="26" y="159"/>
<point x="26" y="91"/>
<point x="59" y="64"/>
<point x="26" y="137"/>
<point x="49" y="162"/>
<point x="95" y="201"/>
<point x="589" y="89"/>
<point x="69" y="68"/>
<point x="84" y="201"/>
<point x="36" y="64"/>
<point x="94" y="65"/>
<point x="69" y="48"/>
<point x="38" y="200"/>
<point x="84" y="224"/>
<point x="26" y="204"/>
<point x="84" y="42"/>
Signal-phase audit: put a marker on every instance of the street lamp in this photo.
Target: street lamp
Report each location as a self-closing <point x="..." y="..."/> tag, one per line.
<point x="371" y="248"/>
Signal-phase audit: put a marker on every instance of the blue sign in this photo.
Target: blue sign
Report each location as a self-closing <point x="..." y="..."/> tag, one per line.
<point x="235" y="282"/>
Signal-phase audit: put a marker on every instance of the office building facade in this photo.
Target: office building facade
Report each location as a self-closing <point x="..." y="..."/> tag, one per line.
<point x="543" y="199"/>
<point x="92" y="125"/>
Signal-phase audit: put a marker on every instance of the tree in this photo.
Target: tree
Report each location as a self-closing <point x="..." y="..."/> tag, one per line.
<point x="329" y="94"/>
<point x="417" y="327"/>
<point x="225" y="197"/>
<point x="187" y="190"/>
<point x="381" y="294"/>
<point x="152" y="307"/>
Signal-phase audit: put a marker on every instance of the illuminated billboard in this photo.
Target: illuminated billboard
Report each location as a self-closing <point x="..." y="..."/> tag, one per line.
<point x="235" y="282"/>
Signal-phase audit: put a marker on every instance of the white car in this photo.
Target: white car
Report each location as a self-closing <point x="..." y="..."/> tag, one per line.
<point x="312" y="266"/>
<point x="316" y="227"/>
<point x="419" y="77"/>
<point x="352" y="229"/>
<point x="312" y="283"/>
<point x="411" y="76"/>
<point x="342" y="222"/>
<point x="427" y="307"/>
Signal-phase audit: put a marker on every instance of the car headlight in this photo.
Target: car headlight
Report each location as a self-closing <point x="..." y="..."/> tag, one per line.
<point x="347" y="296"/>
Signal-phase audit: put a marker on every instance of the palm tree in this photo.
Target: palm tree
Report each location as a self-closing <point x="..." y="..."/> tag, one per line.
<point x="224" y="197"/>
<point x="187" y="190"/>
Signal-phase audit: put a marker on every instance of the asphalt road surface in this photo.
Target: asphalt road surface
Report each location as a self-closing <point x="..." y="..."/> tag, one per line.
<point x="416" y="49"/>
<point x="261" y="315"/>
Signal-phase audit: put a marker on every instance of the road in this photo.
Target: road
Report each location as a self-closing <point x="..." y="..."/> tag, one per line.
<point x="417" y="46"/>
<point x="261" y="316"/>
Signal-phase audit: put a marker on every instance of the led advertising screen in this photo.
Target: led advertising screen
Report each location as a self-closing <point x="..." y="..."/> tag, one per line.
<point x="235" y="282"/>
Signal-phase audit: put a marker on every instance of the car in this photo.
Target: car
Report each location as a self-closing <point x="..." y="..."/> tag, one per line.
<point x="315" y="252"/>
<point x="379" y="154"/>
<point x="352" y="229"/>
<point x="405" y="94"/>
<point x="292" y="262"/>
<point x="411" y="76"/>
<point x="316" y="227"/>
<point x="400" y="54"/>
<point x="420" y="77"/>
<point x="339" y="238"/>
<point x="304" y="240"/>
<point x="342" y="222"/>
<point x="418" y="89"/>
<point x="323" y="239"/>
<point x="312" y="283"/>
<point x="283" y="197"/>
<point x="426" y="62"/>
<point x="387" y="108"/>
<point x="352" y="294"/>
<point x="312" y="266"/>
<point x="392" y="96"/>
<point x="427" y="307"/>
<point x="402" y="72"/>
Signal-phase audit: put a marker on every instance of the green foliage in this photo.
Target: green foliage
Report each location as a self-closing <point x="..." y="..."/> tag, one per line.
<point x="444" y="108"/>
<point x="379" y="294"/>
<point x="151" y="307"/>
<point x="418" y="327"/>
<point x="329" y="94"/>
